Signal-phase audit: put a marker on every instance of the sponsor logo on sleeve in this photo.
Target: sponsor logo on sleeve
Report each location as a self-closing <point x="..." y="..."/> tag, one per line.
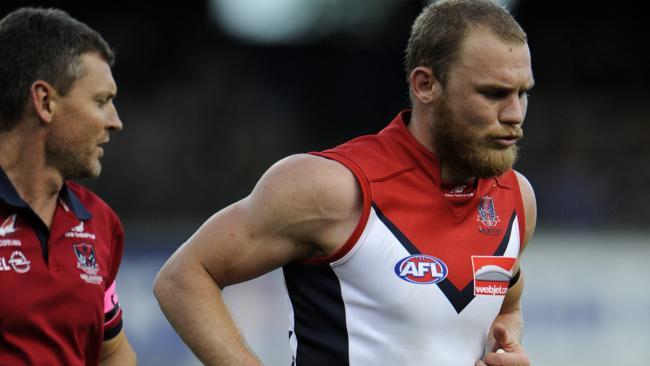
<point x="421" y="269"/>
<point x="492" y="274"/>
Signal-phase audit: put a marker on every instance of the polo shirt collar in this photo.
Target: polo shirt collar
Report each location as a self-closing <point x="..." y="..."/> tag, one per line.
<point x="9" y="194"/>
<point x="71" y="199"/>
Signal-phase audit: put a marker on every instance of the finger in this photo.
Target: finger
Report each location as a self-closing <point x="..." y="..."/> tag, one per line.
<point x="501" y="335"/>
<point x="506" y="358"/>
<point x="480" y="363"/>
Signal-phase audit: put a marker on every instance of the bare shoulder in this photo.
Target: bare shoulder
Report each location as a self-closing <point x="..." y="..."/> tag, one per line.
<point x="311" y="196"/>
<point x="318" y="178"/>
<point x="530" y="204"/>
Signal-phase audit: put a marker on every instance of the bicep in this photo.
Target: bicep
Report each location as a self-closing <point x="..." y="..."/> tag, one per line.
<point x="241" y="242"/>
<point x="301" y="207"/>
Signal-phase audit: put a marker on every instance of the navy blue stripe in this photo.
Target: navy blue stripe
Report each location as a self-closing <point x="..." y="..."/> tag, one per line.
<point x="506" y="238"/>
<point x="459" y="299"/>
<point x="515" y="278"/>
<point x="319" y="315"/>
<point x="113" y="332"/>
<point x="108" y="316"/>
<point x="75" y="204"/>
<point x="9" y="195"/>
<point x="8" y="192"/>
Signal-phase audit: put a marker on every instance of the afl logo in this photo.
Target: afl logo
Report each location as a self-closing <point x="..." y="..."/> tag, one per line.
<point x="421" y="269"/>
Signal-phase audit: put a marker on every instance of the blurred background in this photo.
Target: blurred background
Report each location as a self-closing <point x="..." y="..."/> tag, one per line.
<point x="213" y="92"/>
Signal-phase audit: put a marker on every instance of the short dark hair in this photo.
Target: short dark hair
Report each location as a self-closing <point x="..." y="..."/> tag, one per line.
<point x="41" y="44"/>
<point x="439" y="30"/>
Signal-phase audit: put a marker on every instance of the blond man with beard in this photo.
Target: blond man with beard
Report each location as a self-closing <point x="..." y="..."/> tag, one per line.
<point x="400" y="248"/>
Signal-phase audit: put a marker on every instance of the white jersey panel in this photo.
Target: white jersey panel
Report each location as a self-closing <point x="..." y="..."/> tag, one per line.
<point x="514" y="242"/>
<point x="394" y="322"/>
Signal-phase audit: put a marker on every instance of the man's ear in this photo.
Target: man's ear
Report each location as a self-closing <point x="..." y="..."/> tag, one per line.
<point x="425" y="87"/>
<point x="43" y="96"/>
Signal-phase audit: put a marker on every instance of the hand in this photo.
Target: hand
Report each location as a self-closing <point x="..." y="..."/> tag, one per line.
<point x="506" y="351"/>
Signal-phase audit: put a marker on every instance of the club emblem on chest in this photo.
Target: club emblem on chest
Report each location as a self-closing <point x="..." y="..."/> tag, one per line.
<point x="87" y="262"/>
<point x="486" y="212"/>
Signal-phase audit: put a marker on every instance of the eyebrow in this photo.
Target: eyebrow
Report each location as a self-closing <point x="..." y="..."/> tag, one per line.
<point x="499" y="86"/>
<point x="106" y="94"/>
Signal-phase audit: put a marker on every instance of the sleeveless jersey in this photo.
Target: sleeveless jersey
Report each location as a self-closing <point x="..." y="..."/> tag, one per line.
<point x="425" y="272"/>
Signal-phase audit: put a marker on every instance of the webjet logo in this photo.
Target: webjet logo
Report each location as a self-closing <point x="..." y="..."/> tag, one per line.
<point x="421" y="269"/>
<point x="492" y="274"/>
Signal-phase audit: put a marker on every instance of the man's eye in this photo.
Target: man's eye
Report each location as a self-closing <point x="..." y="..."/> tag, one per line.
<point x="102" y="102"/>
<point x="495" y="94"/>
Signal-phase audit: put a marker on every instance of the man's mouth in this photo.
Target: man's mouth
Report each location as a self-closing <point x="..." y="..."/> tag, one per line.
<point x="506" y="140"/>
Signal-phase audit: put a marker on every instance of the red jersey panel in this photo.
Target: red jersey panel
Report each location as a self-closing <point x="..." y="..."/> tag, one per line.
<point x="404" y="182"/>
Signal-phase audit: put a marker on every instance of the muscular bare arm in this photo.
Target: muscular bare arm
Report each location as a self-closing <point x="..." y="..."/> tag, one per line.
<point x="304" y="206"/>
<point x="507" y="327"/>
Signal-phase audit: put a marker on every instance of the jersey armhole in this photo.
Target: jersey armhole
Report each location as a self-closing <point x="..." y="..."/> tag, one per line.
<point x="365" y="213"/>
<point x="521" y="211"/>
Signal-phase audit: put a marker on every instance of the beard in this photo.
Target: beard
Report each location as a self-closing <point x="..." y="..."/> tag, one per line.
<point x="468" y="153"/>
<point x="71" y="161"/>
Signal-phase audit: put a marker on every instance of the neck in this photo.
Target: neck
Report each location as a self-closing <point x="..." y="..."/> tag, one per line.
<point x="450" y="174"/>
<point x="421" y="127"/>
<point x="22" y="157"/>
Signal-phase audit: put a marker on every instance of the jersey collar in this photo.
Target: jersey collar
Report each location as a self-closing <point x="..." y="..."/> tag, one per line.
<point x="406" y="144"/>
<point x="409" y="148"/>
<point x="9" y="195"/>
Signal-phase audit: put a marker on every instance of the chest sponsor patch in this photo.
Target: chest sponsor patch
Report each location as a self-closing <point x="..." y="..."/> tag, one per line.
<point x="492" y="274"/>
<point x="17" y="261"/>
<point x="421" y="269"/>
<point x="8" y="226"/>
<point x="79" y="232"/>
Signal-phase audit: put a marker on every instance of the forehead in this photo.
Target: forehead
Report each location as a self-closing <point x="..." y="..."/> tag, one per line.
<point x="95" y="76"/>
<point x="484" y="58"/>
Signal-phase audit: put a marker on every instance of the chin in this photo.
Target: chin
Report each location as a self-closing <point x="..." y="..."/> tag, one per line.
<point x="496" y="164"/>
<point x="89" y="171"/>
<point x="489" y="163"/>
<point x="95" y="171"/>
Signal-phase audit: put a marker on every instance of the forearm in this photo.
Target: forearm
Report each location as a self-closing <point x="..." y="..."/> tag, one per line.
<point x="192" y="303"/>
